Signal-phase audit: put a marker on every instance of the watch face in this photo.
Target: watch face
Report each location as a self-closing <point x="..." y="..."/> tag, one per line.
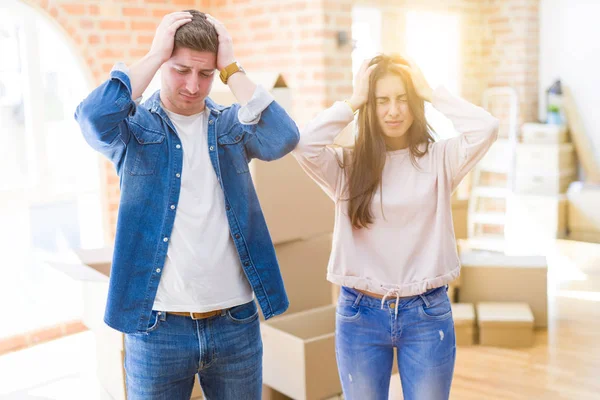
<point x="240" y="66"/>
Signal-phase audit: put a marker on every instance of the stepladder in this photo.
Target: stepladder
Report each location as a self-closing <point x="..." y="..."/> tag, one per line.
<point x="493" y="178"/>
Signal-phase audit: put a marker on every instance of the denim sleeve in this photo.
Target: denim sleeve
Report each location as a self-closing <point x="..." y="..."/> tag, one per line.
<point x="102" y="115"/>
<point x="274" y="135"/>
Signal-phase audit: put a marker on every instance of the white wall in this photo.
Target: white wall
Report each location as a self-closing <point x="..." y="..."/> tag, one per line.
<point x="570" y="50"/>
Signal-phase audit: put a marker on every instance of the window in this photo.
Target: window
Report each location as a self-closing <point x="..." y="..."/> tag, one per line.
<point x="433" y="41"/>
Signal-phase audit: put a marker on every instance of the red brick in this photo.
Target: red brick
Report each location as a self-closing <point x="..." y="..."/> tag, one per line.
<point x="119" y="39"/>
<point x="185" y="3"/>
<point x="53" y="11"/>
<point x="74" y="9"/>
<point x="161" y="12"/>
<point x="137" y="53"/>
<point x="135" y="11"/>
<point x="145" y="39"/>
<point x="254" y="11"/>
<point x="87" y="24"/>
<point x="45" y="334"/>
<point x="12" y="343"/>
<point x="262" y="23"/>
<point x="112" y="25"/>
<point x="143" y="26"/>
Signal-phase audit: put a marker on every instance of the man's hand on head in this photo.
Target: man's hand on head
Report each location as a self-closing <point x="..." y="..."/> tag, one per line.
<point x="164" y="38"/>
<point x="225" y="53"/>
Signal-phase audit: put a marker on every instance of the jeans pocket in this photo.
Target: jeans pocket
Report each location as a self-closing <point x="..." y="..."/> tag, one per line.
<point x="153" y="322"/>
<point x="437" y="311"/>
<point x="347" y="312"/>
<point x="244" y="313"/>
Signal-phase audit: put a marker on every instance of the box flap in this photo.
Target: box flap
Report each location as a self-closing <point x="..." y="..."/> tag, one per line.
<point x="83" y="264"/>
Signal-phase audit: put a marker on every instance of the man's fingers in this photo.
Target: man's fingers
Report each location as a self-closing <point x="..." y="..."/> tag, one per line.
<point x="178" y="23"/>
<point x="177" y="16"/>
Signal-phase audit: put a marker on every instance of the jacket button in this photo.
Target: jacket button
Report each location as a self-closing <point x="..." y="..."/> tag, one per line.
<point x="227" y="207"/>
<point x="237" y="235"/>
<point x="247" y="263"/>
<point x="237" y="138"/>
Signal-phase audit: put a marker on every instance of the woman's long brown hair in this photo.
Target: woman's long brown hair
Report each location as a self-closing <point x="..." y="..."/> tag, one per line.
<point x="367" y="157"/>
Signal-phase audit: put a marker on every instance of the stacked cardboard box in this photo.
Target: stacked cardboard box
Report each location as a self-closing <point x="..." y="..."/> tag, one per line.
<point x="505" y="324"/>
<point x="545" y="166"/>
<point x="464" y="323"/>
<point x="584" y="212"/>
<point x="496" y="277"/>
<point x="545" y="162"/>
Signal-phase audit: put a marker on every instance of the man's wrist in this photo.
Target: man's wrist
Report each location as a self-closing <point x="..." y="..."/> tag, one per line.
<point x="229" y="70"/>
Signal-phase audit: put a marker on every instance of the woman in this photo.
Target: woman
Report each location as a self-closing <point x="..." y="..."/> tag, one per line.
<point x="394" y="250"/>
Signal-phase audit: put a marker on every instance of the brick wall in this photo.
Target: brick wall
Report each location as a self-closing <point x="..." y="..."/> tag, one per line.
<point x="511" y="50"/>
<point x="299" y="39"/>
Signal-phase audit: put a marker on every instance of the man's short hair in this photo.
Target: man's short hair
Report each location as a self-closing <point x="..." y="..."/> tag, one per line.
<point x="198" y="34"/>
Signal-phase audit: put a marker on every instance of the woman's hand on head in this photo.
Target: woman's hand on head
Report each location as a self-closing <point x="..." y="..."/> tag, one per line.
<point x="422" y="88"/>
<point x="361" y="85"/>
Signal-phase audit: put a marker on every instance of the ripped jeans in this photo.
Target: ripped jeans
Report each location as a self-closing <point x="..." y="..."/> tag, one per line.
<point x="421" y="328"/>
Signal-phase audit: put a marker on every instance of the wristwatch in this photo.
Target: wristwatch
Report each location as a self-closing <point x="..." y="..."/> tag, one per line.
<point x="230" y="70"/>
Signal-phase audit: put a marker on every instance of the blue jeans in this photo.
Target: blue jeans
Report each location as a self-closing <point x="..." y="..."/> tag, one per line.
<point x="422" y="331"/>
<point x="225" y="351"/>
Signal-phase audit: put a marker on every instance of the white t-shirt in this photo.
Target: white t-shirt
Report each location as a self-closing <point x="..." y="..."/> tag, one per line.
<point x="202" y="271"/>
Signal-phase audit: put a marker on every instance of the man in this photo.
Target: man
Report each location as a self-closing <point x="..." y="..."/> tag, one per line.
<point x="192" y="248"/>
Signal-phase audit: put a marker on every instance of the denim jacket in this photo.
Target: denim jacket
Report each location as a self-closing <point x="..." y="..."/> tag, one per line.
<point x="143" y="145"/>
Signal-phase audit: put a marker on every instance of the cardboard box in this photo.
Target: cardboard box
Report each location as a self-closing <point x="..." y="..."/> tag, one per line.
<point x="505" y="324"/>
<point x="544" y="133"/>
<point x="295" y="207"/>
<point x="299" y="354"/>
<point x="272" y="81"/>
<point x="460" y="211"/>
<point x="545" y="158"/>
<point x="581" y="139"/>
<point x="495" y="277"/>
<point x="92" y="268"/>
<point x="544" y="216"/>
<point x="543" y="184"/>
<point x="534" y="222"/>
<point x="584" y="207"/>
<point x="303" y="265"/>
<point x="575" y="258"/>
<point x="592" y="237"/>
<point x="464" y="323"/>
<point x="495" y="160"/>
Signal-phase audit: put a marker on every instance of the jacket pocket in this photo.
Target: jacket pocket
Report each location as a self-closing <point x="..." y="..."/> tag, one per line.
<point x="234" y="152"/>
<point x="143" y="153"/>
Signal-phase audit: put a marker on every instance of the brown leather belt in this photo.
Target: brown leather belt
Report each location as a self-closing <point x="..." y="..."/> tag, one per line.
<point x="197" y="315"/>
